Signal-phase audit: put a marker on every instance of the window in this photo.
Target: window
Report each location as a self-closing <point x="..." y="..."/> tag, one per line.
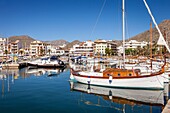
<point x="130" y="74"/>
<point x="118" y="74"/>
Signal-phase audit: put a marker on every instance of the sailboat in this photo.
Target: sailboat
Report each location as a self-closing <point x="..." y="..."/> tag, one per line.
<point x="122" y="78"/>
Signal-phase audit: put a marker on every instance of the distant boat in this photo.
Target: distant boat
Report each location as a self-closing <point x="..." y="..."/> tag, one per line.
<point x="45" y="71"/>
<point x="47" y="62"/>
<point x="79" y="59"/>
<point x="125" y="96"/>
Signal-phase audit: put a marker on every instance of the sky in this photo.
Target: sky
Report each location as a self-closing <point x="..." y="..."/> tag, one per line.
<point x="82" y="20"/>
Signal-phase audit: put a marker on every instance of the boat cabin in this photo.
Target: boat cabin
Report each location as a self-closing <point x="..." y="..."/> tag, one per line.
<point x="118" y="73"/>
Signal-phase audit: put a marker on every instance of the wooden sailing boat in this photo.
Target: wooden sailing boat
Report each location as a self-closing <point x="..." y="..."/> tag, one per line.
<point x="121" y="78"/>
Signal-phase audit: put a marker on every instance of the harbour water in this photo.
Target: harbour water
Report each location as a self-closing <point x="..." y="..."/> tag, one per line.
<point x="42" y="91"/>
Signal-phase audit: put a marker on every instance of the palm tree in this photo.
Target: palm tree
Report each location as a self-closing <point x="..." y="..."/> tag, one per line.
<point x="6" y="52"/>
<point x="49" y="51"/>
<point x="41" y="51"/>
<point x="146" y="50"/>
<point x="127" y="51"/>
<point x="21" y="52"/>
<point x="139" y="50"/>
<point x="107" y="51"/>
<point x="155" y="49"/>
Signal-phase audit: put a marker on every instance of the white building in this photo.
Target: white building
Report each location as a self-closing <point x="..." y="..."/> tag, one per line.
<point x="54" y="50"/>
<point x="38" y="48"/>
<point x="14" y="47"/>
<point x="84" y="49"/>
<point x="101" y="45"/>
<point x="3" y="42"/>
<point x="133" y="44"/>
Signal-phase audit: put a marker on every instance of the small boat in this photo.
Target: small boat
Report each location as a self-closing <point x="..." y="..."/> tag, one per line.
<point x="45" y="71"/>
<point x="47" y="62"/>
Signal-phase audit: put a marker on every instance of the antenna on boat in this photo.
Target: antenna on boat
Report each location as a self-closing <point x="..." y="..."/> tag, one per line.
<point x="123" y="30"/>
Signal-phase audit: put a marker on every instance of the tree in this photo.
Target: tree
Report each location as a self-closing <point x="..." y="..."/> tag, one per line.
<point x="6" y="52"/>
<point x="41" y="51"/>
<point x="146" y="50"/>
<point x="49" y="51"/>
<point x="107" y="51"/>
<point x="128" y="51"/>
<point x="21" y="52"/>
<point x="139" y="50"/>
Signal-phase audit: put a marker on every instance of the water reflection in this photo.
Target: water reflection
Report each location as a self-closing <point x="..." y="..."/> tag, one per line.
<point x="9" y="76"/>
<point x="43" y="71"/>
<point x="126" y="98"/>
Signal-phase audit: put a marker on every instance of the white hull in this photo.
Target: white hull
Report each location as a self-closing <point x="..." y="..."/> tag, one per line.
<point x="144" y="96"/>
<point x="165" y="77"/>
<point x="150" y="82"/>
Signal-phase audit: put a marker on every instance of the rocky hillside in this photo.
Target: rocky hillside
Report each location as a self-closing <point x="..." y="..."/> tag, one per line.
<point x="145" y="36"/>
<point x="25" y="40"/>
<point x="70" y="45"/>
<point x="57" y="42"/>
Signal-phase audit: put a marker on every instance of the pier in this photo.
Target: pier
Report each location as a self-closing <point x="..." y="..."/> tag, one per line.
<point x="10" y="66"/>
<point x="167" y="107"/>
<point x="14" y="65"/>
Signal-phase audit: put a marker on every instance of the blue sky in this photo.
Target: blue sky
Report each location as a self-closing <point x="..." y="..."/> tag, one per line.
<point x="75" y="19"/>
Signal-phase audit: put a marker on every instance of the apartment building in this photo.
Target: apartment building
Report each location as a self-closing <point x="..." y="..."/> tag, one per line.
<point x="38" y="48"/>
<point x="3" y="42"/>
<point x="101" y="45"/>
<point x="133" y="44"/>
<point x="14" y="47"/>
<point x="84" y="49"/>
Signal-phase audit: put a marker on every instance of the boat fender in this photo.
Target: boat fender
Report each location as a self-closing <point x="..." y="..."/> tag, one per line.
<point x="110" y="78"/>
<point x="88" y="80"/>
<point x="88" y="88"/>
<point x="61" y="62"/>
<point x="110" y="94"/>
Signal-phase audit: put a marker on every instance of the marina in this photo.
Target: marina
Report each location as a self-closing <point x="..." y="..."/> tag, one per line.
<point x="105" y="63"/>
<point x="21" y="88"/>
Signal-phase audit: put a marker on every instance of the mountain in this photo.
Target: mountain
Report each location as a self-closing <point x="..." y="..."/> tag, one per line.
<point x="145" y="36"/>
<point x="70" y="45"/>
<point x="57" y="42"/>
<point x="25" y="40"/>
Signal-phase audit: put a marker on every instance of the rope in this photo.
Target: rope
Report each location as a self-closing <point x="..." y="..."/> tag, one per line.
<point x="98" y="18"/>
<point x="159" y="81"/>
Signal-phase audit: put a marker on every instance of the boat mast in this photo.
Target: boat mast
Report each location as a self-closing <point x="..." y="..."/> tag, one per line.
<point x="123" y="30"/>
<point x="151" y="44"/>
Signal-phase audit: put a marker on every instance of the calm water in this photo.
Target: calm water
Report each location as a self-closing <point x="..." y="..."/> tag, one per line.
<point x="42" y="91"/>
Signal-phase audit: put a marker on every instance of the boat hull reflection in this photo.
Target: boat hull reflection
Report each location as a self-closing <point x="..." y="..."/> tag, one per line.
<point x="123" y="96"/>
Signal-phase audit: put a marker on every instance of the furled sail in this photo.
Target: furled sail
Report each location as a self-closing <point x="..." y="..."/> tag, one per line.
<point x="161" y="40"/>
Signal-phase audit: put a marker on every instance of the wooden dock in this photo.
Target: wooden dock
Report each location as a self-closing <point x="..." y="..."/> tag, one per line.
<point x="167" y="107"/>
<point x="10" y="66"/>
